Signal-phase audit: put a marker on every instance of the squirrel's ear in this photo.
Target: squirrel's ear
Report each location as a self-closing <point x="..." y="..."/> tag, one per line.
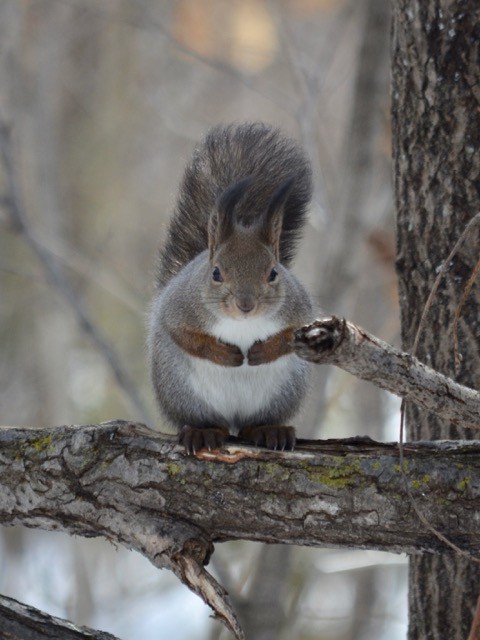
<point x="222" y="220"/>
<point x="273" y="218"/>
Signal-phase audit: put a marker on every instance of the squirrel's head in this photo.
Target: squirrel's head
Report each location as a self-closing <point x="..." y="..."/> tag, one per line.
<point x="245" y="277"/>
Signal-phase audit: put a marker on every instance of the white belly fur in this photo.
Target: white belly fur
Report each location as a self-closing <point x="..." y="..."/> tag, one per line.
<point x="246" y="331"/>
<point x="238" y="392"/>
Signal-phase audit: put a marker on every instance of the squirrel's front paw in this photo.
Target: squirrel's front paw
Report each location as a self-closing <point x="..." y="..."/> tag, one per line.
<point x="277" y="437"/>
<point x="228" y="355"/>
<point x="265" y="351"/>
<point x="258" y="354"/>
<point x="196" y="438"/>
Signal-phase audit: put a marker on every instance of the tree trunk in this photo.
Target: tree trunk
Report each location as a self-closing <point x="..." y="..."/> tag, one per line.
<point x="436" y="137"/>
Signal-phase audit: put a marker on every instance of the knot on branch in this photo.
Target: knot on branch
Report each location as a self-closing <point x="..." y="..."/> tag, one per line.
<point x="200" y="550"/>
<point x="318" y="341"/>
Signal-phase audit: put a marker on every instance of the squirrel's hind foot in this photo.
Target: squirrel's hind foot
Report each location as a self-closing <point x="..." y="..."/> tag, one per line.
<point x="271" y="436"/>
<point x="196" y="438"/>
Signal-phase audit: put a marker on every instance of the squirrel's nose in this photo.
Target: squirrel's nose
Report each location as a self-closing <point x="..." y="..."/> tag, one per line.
<point x="245" y="303"/>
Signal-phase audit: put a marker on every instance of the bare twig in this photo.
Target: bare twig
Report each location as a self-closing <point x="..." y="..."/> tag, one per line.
<point x="458" y="312"/>
<point x="19" y="219"/>
<point x="421" y="325"/>
<point x="335" y="341"/>
<point x="445" y="266"/>
<point x="105" y="279"/>
<point x="427" y="524"/>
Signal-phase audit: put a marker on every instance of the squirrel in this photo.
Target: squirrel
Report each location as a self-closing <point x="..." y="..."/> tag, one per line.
<point x="226" y="305"/>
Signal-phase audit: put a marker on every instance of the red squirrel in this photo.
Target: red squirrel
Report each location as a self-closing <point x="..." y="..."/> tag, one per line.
<point x="226" y="303"/>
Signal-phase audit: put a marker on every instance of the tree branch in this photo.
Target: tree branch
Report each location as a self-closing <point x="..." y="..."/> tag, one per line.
<point x="336" y="341"/>
<point x="139" y="489"/>
<point x="22" y="622"/>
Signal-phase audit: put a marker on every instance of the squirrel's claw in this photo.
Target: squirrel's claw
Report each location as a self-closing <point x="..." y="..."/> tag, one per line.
<point x="276" y="437"/>
<point x="196" y="438"/>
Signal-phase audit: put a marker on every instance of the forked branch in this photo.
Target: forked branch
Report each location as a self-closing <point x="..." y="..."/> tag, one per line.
<point x="136" y="487"/>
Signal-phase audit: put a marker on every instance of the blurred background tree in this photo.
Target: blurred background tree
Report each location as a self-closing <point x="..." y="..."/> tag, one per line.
<point x="106" y="100"/>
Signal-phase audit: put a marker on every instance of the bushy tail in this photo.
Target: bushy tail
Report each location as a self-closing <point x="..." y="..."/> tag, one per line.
<point x="228" y="154"/>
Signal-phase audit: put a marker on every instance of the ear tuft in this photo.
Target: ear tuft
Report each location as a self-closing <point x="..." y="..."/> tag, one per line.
<point x="273" y="218"/>
<point x="232" y="195"/>
<point x="222" y="220"/>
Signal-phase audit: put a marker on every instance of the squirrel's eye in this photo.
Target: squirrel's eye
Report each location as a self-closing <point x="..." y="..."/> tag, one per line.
<point x="272" y="275"/>
<point x="217" y="275"/>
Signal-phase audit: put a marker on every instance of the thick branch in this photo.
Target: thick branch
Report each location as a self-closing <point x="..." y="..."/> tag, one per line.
<point x="138" y="488"/>
<point x="21" y="622"/>
<point x="336" y="341"/>
<point x="125" y="482"/>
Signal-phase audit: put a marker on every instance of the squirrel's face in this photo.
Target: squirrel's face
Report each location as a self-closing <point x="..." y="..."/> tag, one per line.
<point x="244" y="277"/>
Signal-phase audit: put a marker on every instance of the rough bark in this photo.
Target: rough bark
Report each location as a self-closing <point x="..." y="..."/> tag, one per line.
<point x="336" y="341"/>
<point x="21" y="622"/>
<point x="436" y="135"/>
<point x="122" y="481"/>
<point x="129" y="484"/>
<point x="42" y="468"/>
